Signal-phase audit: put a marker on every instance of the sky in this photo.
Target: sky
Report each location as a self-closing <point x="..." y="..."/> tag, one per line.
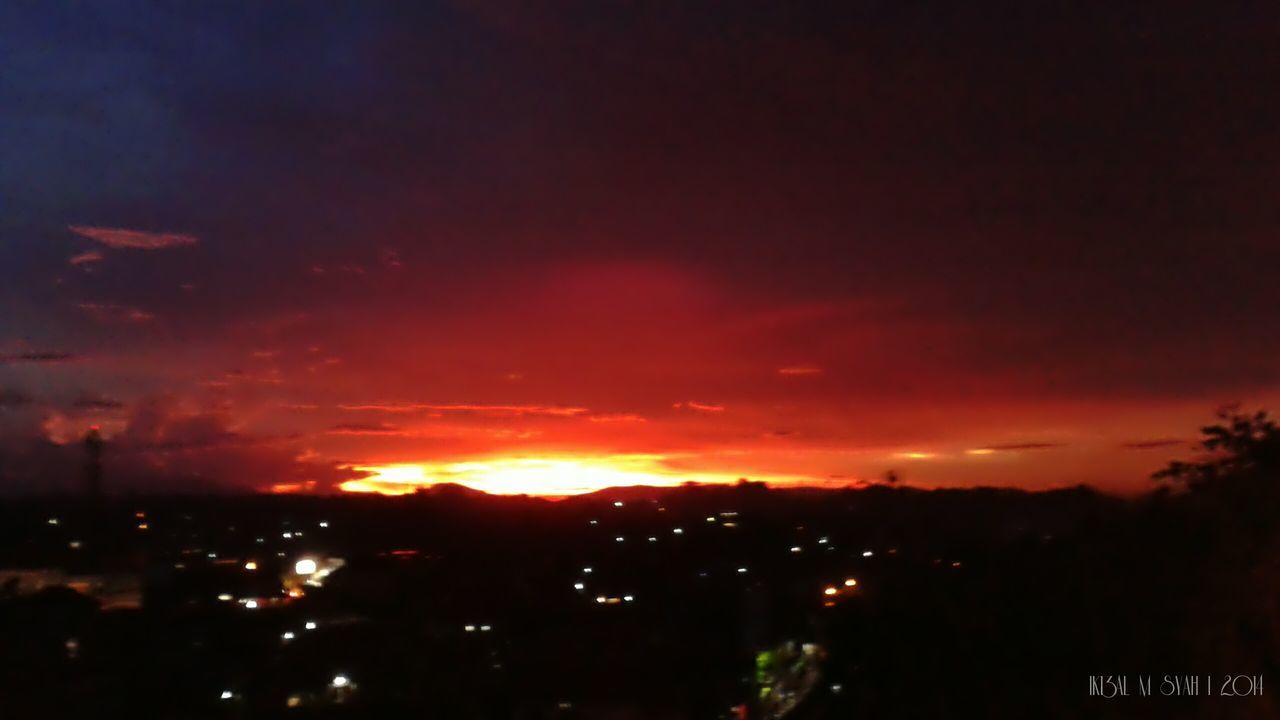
<point x="544" y="247"/>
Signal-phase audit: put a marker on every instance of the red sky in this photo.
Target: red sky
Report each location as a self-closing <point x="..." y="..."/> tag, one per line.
<point x="749" y="241"/>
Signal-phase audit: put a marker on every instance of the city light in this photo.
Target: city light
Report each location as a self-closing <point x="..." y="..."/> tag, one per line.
<point x="579" y="586"/>
<point x="310" y="625"/>
<point x="340" y="681"/>
<point x="850" y="582"/>
<point x="305" y="566"/>
<point x="830" y="590"/>
<point x="226" y="695"/>
<point x="251" y="565"/>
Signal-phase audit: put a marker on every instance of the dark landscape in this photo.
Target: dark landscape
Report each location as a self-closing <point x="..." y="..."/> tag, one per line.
<point x="698" y="601"/>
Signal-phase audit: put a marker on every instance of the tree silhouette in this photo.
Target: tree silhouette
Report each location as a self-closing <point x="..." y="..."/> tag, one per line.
<point x="1240" y="446"/>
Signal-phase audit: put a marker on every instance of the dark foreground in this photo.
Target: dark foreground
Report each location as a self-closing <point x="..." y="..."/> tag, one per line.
<point x="641" y="603"/>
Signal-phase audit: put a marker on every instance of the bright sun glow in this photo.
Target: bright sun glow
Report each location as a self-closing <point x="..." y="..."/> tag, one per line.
<point x="551" y="476"/>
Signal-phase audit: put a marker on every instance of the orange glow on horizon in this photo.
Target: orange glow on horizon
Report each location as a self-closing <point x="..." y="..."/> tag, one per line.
<point x="546" y="476"/>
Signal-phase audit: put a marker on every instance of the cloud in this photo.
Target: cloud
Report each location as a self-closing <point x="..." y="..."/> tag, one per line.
<point x="1026" y="446"/>
<point x="500" y="410"/>
<point x="1013" y="447"/>
<point x="88" y="256"/>
<point x="270" y="376"/>
<point x="618" y="418"/>
<point x="13" y="398"/>
<point x="37" y="357"/>
<point x="700" y="407"/>
<point x="366" y="429"/>
<point x="390" y="258"/>
<point x="91" y="402"/>
<point x="160" y="446"/>
<point x="346" y="268"/>
<point x="300" y="407"/>
<point x="119" y="239"/>
<point x="793" y="370"/>
<point x="1152" y="444"/>
<point x="111" y="312"/>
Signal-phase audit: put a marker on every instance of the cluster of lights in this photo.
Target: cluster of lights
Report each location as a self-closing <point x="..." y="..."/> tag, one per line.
<point x="833" y="590"/>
